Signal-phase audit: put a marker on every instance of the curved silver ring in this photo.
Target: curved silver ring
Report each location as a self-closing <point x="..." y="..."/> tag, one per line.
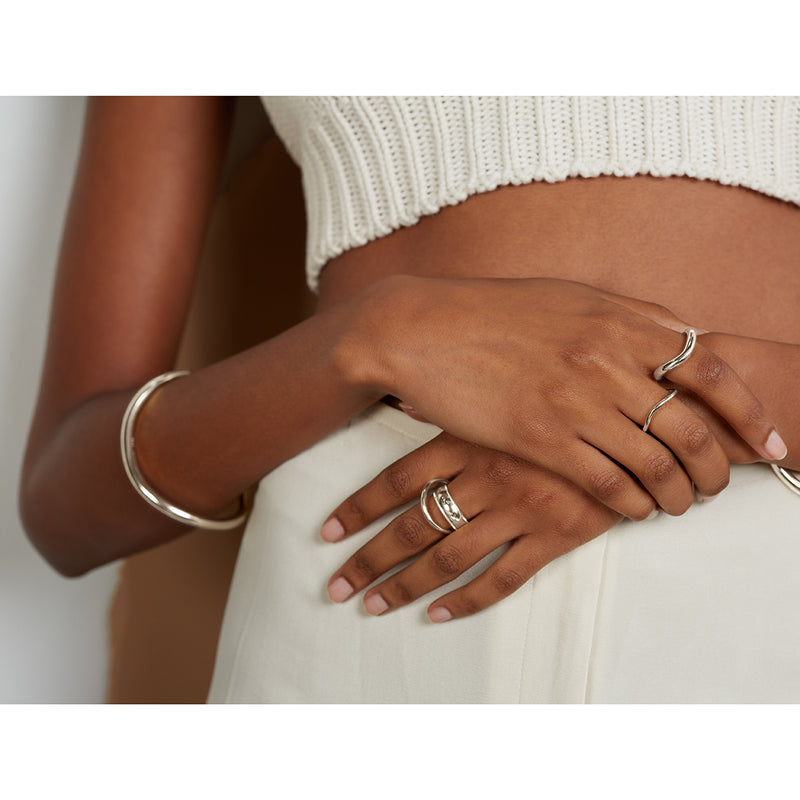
<point x="691" y="339"/>
<point x="656" y="407"/>
<point x="451" y="512"/>
<point x="789" y="479"/>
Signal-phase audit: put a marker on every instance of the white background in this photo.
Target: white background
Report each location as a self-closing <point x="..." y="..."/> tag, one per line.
<point x="53" y="630"/>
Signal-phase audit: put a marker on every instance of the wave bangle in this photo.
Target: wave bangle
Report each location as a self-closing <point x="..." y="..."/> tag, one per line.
<point x="691" y="339"/>
<point x="143" y="489"/>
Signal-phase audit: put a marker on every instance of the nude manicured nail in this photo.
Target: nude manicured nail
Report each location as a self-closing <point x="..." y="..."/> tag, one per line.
<point x="439" y="614"/>
<point x="340" y="590"/>
<point x="332" y="530"/>
<point x="375" y="605"/>
<point x="775" y="447"/>
<point x="705" y="498"/>
<point x="652" y="515"/>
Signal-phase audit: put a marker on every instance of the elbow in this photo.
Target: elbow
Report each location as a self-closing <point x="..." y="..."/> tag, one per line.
<point x="59" y="547"/>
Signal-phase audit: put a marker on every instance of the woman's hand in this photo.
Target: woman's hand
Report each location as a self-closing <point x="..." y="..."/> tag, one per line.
<point x="560" y="375"/>
<point x="508" y="502"/>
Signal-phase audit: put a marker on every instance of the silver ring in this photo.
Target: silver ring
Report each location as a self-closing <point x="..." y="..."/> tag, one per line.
<point x="691" y="339"/>
<point x="450" y="511"/>
<point x="448" y="507"/>
<point x="656" y="407"/>
<point x="788" y="478"/>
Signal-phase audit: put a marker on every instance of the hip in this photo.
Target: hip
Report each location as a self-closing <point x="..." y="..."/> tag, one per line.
<point x="650" y="611"/>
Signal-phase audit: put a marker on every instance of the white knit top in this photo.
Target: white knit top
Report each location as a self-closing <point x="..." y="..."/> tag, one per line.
<point x="373" y="164"/>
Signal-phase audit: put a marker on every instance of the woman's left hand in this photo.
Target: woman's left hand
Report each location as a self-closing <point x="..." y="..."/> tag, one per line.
<point x="541" y="516"/>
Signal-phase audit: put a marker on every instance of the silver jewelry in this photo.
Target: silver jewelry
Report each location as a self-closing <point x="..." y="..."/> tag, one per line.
<point x="129" y="461"/>
<point x="450" y="511"/>
<point x="445" y="503"/>
<point x="655" y="408"/>
<point x="787" y="477"/>
<point x="691" y="339"/>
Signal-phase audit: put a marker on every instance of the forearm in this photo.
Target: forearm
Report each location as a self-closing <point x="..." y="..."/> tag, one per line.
<point x="771" y="370"/>
<point x="201" y="441"/>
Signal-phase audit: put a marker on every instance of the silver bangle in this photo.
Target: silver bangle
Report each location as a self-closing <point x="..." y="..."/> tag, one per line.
<point x="787" y="477"/>
<point x="129" y="461"/>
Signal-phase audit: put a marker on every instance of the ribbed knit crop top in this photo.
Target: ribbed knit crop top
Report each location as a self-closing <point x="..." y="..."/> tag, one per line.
<point x="371" y="165"/>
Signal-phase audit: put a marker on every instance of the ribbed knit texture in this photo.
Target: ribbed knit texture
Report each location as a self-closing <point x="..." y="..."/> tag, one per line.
<point x="371" y="165"/>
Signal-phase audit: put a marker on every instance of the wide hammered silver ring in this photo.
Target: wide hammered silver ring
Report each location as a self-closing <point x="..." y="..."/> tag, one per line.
<point x="691" y="339"/>
<point x="655" y="408"/>
<point x="444" y="502"/>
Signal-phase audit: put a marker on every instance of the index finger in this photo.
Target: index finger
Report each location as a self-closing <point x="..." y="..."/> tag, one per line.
<point x="718" y="384"/>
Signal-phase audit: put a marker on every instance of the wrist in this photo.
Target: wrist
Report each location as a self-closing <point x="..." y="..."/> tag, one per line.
<point x="367" y="353"/>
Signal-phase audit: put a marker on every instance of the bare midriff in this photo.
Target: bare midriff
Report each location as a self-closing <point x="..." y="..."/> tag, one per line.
<point x="722" y="258"/>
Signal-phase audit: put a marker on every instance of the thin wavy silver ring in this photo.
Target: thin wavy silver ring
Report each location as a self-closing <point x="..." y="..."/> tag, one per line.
<point x="691" y="339"/>
<point x="655" y="408"/>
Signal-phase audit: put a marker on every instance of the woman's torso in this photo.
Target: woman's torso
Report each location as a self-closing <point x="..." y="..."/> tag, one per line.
<point x="722" y="258"/>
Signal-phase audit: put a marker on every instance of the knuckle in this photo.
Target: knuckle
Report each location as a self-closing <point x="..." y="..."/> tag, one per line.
<point x="569" y="532"/>
<point x="577" y="353"/>
<point x="709" y="370"/>
<point x="695" y="437"/>
<point x="753" y="415"/>
<point x="586" y="353"/>
<point x="364" y="567"/>
<point x="506" y="580"/>
<point x="448" y="560"/>
<point x="660" y="469"/>
<point x="606" y="485"/>
<point x="537" y="501"/>
<point x="401" y="592"/>
<point x="409" y="532"/>
<point x="397" y="481"/>
<point x="468" y="604"/>
<point x="355" y="512"/>
<point x="502" y="469"/>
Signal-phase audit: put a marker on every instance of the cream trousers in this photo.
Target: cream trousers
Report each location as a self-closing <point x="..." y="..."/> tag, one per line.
<point x="698" y="608"/>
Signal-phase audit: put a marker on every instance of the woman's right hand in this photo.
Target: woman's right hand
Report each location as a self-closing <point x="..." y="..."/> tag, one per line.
<point x="560" y="374"/>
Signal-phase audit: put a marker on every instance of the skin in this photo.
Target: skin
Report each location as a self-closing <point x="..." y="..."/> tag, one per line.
<point x="140" y="203"/>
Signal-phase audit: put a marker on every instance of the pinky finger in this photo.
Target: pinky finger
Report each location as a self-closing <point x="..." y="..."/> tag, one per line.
<point x="512" y="570"/>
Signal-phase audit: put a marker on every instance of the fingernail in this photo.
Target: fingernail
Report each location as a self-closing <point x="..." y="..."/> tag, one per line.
<point x="775" y="447"/>
<point x="705" y="498"/>
<point x="375" y="604"/>
<point x="653" y="514"/>
<point x="340" y="590"/>
<point x="411" y="411"/>
<point x="439" y="614"/>
<point x="332" y="530"/>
